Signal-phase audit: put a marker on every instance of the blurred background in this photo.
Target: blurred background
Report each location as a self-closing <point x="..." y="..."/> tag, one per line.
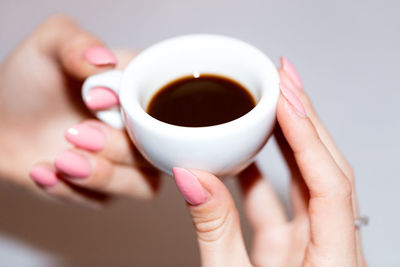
<point x="347" y="53"/>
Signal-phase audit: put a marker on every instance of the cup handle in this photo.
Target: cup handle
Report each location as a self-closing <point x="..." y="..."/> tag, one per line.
<point x="111" y="80"/>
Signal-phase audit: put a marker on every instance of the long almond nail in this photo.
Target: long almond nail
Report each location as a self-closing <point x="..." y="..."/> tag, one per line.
<point x="43" y="176"/>
<point x="99" y="56"/>
<point x="86" y="137"/>
<point x="291" y="71"/>
<point x="294" y="101"/>
<point x="101" y="98"/>
<point x="73" y="165"/>
<point x="189" y="186"/>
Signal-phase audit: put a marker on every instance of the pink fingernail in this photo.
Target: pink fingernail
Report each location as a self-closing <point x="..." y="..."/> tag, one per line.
<point x="86" y="137"/>
<point x="291" y="71"/>
<point x="293" y="100"/>
<point x="101" y="98"/>
<point x="43" y="176"/>
<point x="99" y="56"/>
<point x="189" y="186"/>
<point x="73" y="165"/>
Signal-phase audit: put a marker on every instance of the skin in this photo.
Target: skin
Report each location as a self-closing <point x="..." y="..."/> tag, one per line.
<point x="40" y="98"/>
<point x="322" y="231"/>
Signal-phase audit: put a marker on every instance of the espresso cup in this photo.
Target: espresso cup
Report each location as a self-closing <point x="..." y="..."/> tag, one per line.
<point x="223" y="149"/>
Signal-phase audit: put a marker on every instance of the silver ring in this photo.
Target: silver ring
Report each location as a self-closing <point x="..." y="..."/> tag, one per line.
<point x="361" y="221"/>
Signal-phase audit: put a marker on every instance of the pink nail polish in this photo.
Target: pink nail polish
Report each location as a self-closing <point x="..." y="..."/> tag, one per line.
<point x="293" y="100"/>
<point x="85" y="137"/>
<point x="73" y="165"/>
<point x="43" y="176"/>
<point x="99" y="56"/>
<point x="291" y="71"/>
<point x="101" y="98"/>
<point x="189" y="186"/>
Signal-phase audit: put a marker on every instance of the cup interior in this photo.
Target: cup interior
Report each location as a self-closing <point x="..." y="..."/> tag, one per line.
<point x="195" y="55"/>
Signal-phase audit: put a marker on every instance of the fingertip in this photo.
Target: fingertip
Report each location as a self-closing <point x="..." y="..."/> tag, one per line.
<point x="211" y="183"/>
<point x="288" y="82"/>
<point x="100" y="56"/>
<point x="43" y="175"/>
<point x="291" y="71"/>
<point x="105" y="141"/>
<point x="101" y="98"/>
<point x="86" y="137"/>
<point x="217" y="194"/>
<point x="190" y="187"/>
<point x="292" y="125"/>
<point x="73" y="165"/>
<point x="293" y="100"/>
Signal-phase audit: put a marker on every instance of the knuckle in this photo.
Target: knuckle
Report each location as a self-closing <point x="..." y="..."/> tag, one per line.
<point x="335" y="187"/>
<point x="341" y="190"/>
<point x="56" y="21"/>
<point x="74" y="44"/>
<point x="213" y="229"/>
<point x="102" y="173"/>
<point x="346" y="188"/>
<point x="50" y="30"/>
<point x="349" y="172"/>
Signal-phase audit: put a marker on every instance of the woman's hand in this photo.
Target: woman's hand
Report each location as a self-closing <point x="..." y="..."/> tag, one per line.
<point x="40" y="98"/>
<point x="322" y="231"/>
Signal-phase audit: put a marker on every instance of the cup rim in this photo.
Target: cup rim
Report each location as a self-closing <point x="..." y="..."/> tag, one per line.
<point x="262" y="106"/>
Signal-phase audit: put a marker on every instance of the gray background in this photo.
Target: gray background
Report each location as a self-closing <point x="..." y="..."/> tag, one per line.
<point x="347" y="53"/>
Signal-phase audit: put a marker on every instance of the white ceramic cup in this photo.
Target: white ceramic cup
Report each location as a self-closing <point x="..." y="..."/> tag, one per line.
<point x="223" y="149"/>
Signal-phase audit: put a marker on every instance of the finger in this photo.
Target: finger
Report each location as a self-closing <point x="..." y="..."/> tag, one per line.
<point x="287" y="80"/>
<point x="262" y="205"/>
<point x="105" y="141"/>
<point x="81" y="54"/>
<point x="331" y="214"/>
<point x="288" y="76"/>
<point x="101" y="98"/>
<point x="50" y="182"/>
<point x="215" y="218"/>
<point x="299" y="194"/>
<point x="94" y="172"/>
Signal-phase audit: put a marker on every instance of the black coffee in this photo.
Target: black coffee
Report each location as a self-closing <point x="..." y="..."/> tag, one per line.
<point x="203" y="101"/>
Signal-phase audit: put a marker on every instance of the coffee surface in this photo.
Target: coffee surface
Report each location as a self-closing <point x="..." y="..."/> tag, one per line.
<point x="200" y="101"/>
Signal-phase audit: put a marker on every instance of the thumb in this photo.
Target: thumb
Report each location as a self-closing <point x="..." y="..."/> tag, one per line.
<point x="215" y="218"/>
<point x="80" y="53"/>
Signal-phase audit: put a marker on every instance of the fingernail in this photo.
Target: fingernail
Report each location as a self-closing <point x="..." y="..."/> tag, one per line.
<point x="189" y="186"/>
<point x="293" y="100"/>
<point x="43" y="176"/>
<point x="73" y="165"/>
<point x="291" y="71"/>
<point x="99" y="56"/>
<point x="101" y="98"/>
<point x="86" y="137"/>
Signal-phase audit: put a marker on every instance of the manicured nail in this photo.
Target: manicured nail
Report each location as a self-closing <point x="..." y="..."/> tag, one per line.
<point x="73" y="165"/>
<point x="101" y="98"/>
<point x="86" y="137"/>
<point x="293" y="100"/>
<point x="291" y="71"/>
<point x="189" y="186"/>
<point x="99" y="56"/>
<point x="43" y="176"/>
